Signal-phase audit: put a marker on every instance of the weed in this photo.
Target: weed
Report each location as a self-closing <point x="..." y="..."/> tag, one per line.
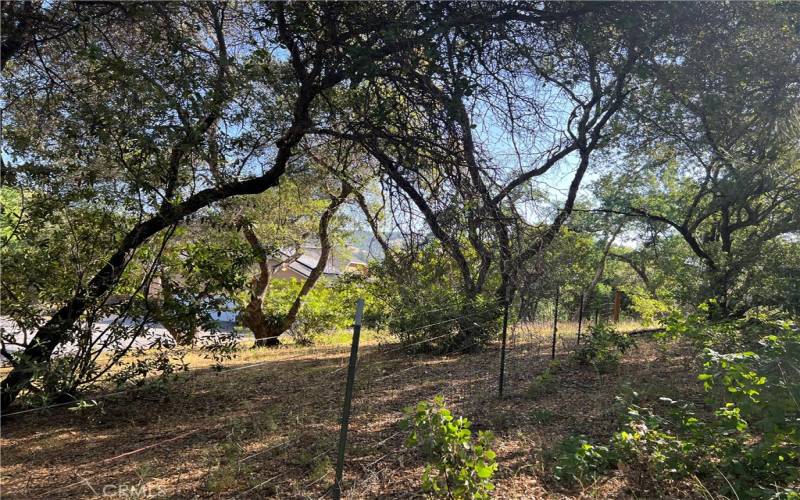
<point x="228" y="469"/>
<point x="321" y="466"/>
<point x="542" y="416"/>
<point x="542" y="384"/>
<point x="458" y="467"/>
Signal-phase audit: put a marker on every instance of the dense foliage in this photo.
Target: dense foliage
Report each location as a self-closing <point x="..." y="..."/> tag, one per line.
<point x="329" y="306"/>
<point x="743" y="441"/>
<point x="425" y="310"/>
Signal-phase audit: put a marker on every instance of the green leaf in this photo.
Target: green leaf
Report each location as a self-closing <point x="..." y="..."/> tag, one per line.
<point x="483" y="471"/>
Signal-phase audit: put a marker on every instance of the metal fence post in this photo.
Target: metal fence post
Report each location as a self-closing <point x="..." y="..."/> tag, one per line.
<point x="580" y="318"/>
<point x="348" y="396"/>
<point x="555" y="324"/>
<point x="503" y="348"/>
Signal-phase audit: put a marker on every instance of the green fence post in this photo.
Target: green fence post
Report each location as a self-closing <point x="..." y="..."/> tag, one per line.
<point x="348" y="396"/>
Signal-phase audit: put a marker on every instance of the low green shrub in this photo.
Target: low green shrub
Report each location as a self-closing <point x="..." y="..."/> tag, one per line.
<point x="458" y="466"/>
<point x="542" y="416"/>
<point x="542" y="384"/>
<point x="744" y="441"/>
<point x="604" y="348"/>
<point x="652" y="441"/>
<point x="580" y="461"/>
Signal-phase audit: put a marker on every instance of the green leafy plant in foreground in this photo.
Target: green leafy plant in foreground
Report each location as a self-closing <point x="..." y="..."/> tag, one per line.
<point x="744" y="441"/>
<point x="458" y="466"/>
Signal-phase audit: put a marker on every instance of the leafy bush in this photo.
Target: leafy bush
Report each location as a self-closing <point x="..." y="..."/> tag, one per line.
<point x="650" y="440"/>
<point x="458" y="466"/>
<point x="580" y="461"/>
<point x="757" y="393"/>
<point x="426" y="307"/>
<point x="651" y="311"/>
<point x="746" y="439"/>
<point x="350" y="287"/>
<point x="604" y="348"/>
<point x="542" y="416"/>
<point x="722" y="448"/>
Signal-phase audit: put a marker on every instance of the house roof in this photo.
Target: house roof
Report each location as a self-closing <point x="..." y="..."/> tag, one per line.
<point x="306" y="262"/>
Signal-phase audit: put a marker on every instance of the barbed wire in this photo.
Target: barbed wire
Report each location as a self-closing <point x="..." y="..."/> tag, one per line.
<point x="148" y="386"/>
<point x="110" y="459"/>
<point x="264" y="362"/>
<point x="254" y="365"/>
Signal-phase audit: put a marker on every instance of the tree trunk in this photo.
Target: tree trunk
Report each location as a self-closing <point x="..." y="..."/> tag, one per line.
<point x="720" y="308"/>
<point x="267" y="334"/>
<point x="253" y="315"/>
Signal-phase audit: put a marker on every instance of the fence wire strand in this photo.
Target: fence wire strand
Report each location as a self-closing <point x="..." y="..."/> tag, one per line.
<point x="516" y="362"/>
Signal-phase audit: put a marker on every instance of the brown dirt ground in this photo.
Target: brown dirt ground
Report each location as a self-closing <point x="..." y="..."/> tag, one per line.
<point x="270" y="430"/>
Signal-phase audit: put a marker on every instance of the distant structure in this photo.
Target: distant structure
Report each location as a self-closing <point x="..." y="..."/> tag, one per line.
<point x="301" y="267"/>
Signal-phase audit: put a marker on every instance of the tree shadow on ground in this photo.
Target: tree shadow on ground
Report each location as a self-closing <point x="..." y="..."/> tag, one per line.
<point x="271" y="430"/>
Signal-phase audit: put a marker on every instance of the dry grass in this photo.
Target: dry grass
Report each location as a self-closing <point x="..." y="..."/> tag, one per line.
<point x="270" y="430"/>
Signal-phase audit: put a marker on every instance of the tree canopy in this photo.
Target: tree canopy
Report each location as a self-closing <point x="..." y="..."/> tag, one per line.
<point x="161" y="159"/>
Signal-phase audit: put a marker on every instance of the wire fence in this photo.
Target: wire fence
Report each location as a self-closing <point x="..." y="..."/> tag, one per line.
<point x="534" y="337"/>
